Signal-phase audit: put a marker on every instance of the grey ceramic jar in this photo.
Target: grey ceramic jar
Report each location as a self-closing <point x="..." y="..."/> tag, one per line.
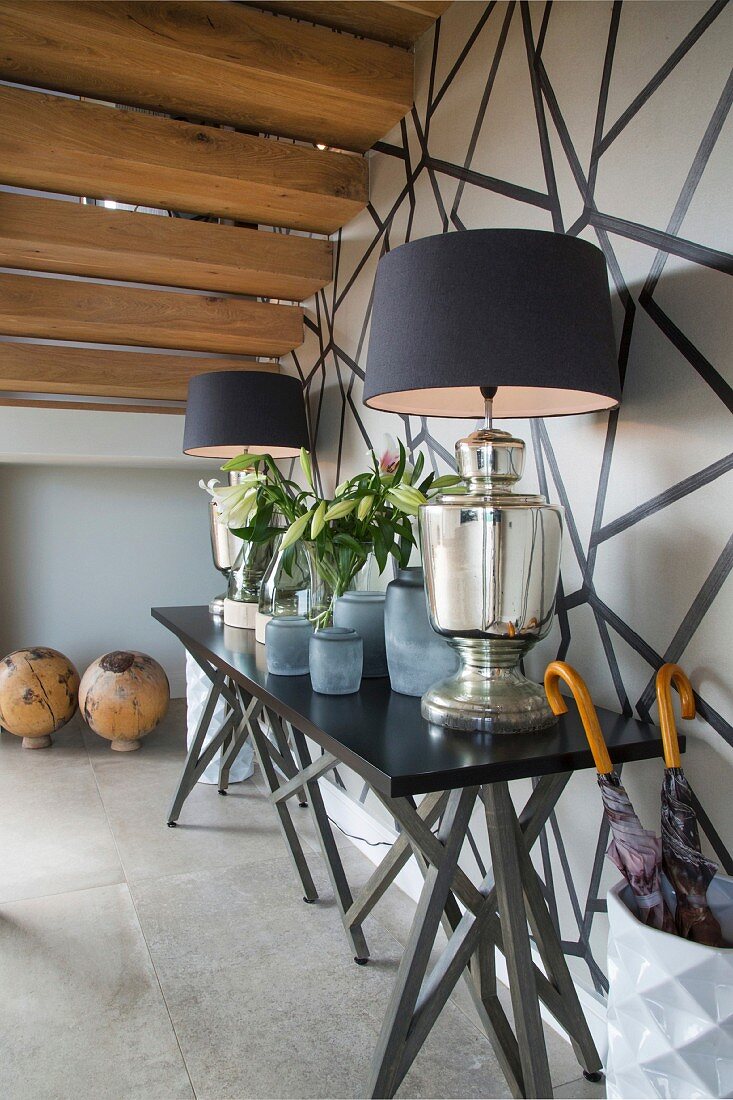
<point x="287" y="639"/>
<point x="417" y="657"/>
<point x="336" y="660"/>
<point x="364" y="613"/>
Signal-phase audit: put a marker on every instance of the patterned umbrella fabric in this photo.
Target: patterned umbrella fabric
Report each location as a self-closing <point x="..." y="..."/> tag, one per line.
<point x="686" y="868"/>
<point x="636" y="851"/>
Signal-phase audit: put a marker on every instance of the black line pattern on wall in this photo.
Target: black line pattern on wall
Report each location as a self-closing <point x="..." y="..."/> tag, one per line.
<point x="533" y="22"/>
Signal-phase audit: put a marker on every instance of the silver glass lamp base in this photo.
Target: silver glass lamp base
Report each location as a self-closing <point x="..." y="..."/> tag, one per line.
<point x="216" y="606"/>
<point x="488" y="693"/>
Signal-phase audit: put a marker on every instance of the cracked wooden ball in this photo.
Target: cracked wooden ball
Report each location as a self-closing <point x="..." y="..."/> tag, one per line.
<point x="123" y="696"/>
<point x="38" y="694"/>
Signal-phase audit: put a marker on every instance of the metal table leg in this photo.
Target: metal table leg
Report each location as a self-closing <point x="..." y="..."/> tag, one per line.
<point x="517" y="948"/>
<point x="329" y="849"/>
<point x="229" y="753"/>
<point x="268" y="756"/>
<point x="474" y="934"/>
<point x="388" y="1064"/>
<point x="198" y="758"/>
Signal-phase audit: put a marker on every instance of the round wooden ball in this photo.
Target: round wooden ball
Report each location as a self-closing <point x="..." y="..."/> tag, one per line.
<point x="123" y="696"/>
<point x="38" y="694"/>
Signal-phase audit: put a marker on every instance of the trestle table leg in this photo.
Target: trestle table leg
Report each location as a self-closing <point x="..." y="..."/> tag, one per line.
<point x="506" y="866"/>
<point x="330" y="851"/>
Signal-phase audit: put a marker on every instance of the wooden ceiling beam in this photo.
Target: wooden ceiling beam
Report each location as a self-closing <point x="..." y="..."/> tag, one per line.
<point x="70" y="309"/>
<point x="76" y="239"/>
<point x="219" y="62"/>
<point x="397" y="22"/>
<point x="96" y="372"/>
<point x="51" y="143"/>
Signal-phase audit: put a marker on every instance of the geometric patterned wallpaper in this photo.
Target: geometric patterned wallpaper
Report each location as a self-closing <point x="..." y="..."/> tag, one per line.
<point x="608" y="121"/>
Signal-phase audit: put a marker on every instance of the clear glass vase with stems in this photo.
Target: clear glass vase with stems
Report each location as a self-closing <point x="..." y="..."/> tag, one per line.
<point x="287" y="587"/>
<point x="336" y="573"/>
<point x="248" y="571"/>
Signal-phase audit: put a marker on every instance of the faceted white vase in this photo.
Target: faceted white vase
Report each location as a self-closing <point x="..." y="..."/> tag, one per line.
<point x="670" y="1005"/>
<point x="198" y="686"/>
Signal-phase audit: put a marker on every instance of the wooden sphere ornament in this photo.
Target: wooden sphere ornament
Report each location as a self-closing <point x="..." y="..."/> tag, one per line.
<point x="38" y="694"/>
<point x="123" y="696"/>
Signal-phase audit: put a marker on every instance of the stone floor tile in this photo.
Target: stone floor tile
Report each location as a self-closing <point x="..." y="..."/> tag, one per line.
<point x="67" y="747"/>
<point x="580" y="1089"/>
<point x="81" y="1012"/>
<point x="227" y="916"/>
<point x="235" y="1027"/>
<point x="212" y="831"/>
<point x="55" y="833"/>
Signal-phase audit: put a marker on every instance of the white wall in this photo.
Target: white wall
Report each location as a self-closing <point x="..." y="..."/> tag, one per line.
<point x="91" y="438"/>
<point x="86" y="552"/>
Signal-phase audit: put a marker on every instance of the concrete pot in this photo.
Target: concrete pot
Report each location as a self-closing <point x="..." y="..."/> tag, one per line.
<point x="670" y="1005"/>
<point x="336" y="661"/>
<point x="287" y="638"/>
<point x="417" y="657"/>
<point x="363" y="612"/>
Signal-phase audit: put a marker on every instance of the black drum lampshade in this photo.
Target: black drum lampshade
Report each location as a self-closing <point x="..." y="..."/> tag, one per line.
<point x="232" y="411"/>
<point x="525" y="311"/>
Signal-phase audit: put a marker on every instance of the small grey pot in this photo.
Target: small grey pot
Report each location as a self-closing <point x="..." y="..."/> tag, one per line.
<point x="364" y="613"/>
<point x="416" y="655"/>
<point x="336" y="661"/>
<point x="287" y="638"/>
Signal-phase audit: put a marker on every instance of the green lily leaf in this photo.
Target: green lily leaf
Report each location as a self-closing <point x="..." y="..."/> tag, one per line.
<point x="381" y="553"/>
<point x="242" y="462"/>
<point x="446" y="481"/>
<point x="400" y="469"/>
<point x="348" y="542"/>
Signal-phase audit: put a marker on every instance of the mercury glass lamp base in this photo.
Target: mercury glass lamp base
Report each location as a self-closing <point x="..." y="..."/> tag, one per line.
<point x="216" y="606"/>
<point x="489" y="700"/>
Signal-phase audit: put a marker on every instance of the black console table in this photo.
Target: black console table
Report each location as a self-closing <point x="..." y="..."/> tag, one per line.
<point x="382" y="736"/>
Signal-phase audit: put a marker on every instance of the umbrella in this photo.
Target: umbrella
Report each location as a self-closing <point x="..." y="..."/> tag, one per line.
<point x="636" y="851"/>
<point x="684" y="864"/>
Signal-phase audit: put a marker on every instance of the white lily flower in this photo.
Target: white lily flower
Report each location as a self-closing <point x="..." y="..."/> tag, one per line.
<point x="390" y="454"/>
<point x="235" y="503"/>
<point x="389" y="457"/>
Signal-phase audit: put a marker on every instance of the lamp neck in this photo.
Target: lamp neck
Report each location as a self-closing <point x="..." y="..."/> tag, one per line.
<point x="488" y="393"/>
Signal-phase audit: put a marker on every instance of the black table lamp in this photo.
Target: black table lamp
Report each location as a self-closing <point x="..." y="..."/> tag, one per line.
<point x="505" y="323"/>
<point x="231" y="411"/>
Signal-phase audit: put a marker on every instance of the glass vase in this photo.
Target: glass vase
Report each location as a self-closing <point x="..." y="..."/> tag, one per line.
<point x="330" y="582"/>
<point x="369" y="579"/>
<point x="248" y="571"/>
<point x="321" y="609"/>
<point x="286" y="586"/>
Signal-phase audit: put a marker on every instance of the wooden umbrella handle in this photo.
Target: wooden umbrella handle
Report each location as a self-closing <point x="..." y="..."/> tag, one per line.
<point x="559" y="670"/>
<point x="670" y="675"/>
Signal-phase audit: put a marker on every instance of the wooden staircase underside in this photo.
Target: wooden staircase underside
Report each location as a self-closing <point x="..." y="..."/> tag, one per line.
<point x="215" y="62"/>
<point x="212" y="112"/>
<point x="48" y="368"/>
<point x="68" y="237"/>
<point x="51" y="143"/>
<point x="400" y="23"/>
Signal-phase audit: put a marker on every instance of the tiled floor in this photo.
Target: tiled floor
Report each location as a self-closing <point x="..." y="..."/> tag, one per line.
<point x="144" y="963"/>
